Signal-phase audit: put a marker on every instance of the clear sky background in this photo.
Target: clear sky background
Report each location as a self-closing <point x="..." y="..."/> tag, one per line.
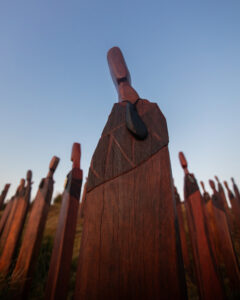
<point x="55" y="86"/>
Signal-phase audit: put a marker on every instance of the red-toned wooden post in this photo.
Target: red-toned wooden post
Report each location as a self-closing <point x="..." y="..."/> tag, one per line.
<point x="19" y="192"/>
<point x="5" y="214"/>
<point x="226" y="249"/>
<point x="130" y="247"/>
<point x="236" y="191"/>
<point x="185" y="253"/>
<point x="59" y="271"/>
<point x="16" y="227"/>
<point x="4" y="194"/>
<point x="82" y="203"/>
<point x="210" y="222"/>
<point x="235" y="207"/>
<point x="32" y="238"/>
<point x="224" y="199"/>
<point x="208" y="279"/>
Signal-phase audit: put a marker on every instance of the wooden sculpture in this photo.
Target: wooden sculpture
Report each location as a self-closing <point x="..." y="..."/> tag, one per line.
<point x="236" y="191"/>
<point x="16" y="226"/>
<point x="130" y="247"/>
<point x="208" y="279"/>
<point x="5" y="214"/>
<point x="33" y="234"/>
<point x="224" y="199"/>
<point x="82" y="203"/>
<point x="235" y="206"/>
<point x="59" y="271"/>
<point x="4" y="194"/>
<point x="180" y="209"/>
<point x="226" y="249"/>
<point x="12" y="208"/>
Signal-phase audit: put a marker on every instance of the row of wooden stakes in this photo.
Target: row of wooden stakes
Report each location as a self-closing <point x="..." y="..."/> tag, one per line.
<point x="136" y="243"/>
<point x="210" y="225"/>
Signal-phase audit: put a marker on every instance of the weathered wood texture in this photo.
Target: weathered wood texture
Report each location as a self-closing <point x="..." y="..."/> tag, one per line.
<point x="32" y="238"/>
<point x="59" y="271"/>
<point x="4" y="194"/>
<point x="5" y="215"/>
<point x="227" y="209"/>
<point x="130" y="246"/>
<point x="19" y="192"/>
<point x="185" y="252"/>
<point x="16" y="227"/>
<point x="83" y="201"/>
<point x="226" y="249"/>
<point x="208" y="279"/>
<point x="235" y="207"/>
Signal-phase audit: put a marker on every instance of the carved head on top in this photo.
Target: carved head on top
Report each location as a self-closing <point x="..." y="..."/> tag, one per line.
<point x="53" y="166"/>
<point x="76" y="155"/>
<point x="121" y="76"/>
<point x="203" y="186"/>
<point x="212" y="185"/>
<point x="29" y="176"/>
<point x="183" y="162"/>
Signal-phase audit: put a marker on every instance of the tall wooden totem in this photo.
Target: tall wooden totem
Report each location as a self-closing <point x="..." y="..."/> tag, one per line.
<point x="130" y="246"/>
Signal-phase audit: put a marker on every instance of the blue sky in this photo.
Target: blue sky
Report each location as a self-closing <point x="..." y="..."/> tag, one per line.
<point x="55" y="86"/>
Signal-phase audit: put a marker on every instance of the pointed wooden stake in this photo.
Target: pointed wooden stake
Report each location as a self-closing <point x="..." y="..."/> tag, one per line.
<point x="4" y="194"/>
<point x="16" y="226"/>
<point x="31" y="243"/>
<point x="185" y="253"/>
<point x="130" y="231"/>
<point x="59" y="271"/>
<point x="12" y="208"/>
<point x="5" y="214"/>
<point x="226" y="249"/>
<point x="236" y="191"/>
<point x="208" y="279"/>
<point x="235" y="206"/>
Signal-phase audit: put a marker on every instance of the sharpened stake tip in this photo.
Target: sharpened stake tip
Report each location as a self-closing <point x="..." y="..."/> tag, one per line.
<point x="203" y="186"/>
<point x="212" y="185"/>
<point x="29" y="176"/>
<point x="183" y="162"/>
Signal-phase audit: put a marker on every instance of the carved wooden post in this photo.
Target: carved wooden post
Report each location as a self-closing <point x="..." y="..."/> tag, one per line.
<point x="59" y="271"/>
<point x="19" y="192"/>
<point x="180" y="207"/>
<point x="4" y="194"/>
<point x="235" y="207"/>
<point x="31" y="243"/>
<point x="5" y="214"/>
<point x="236" y="191"/>
<point x="16" y="227"/>
<point x="208" y="279"/>
<point x="226" y="249"/>
<point x="210" y="222"/>
<point x="130" y="247"/>
<point x="82" y="203"/>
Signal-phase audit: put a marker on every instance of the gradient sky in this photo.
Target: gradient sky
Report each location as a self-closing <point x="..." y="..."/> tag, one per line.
<point x="55" y="86"/>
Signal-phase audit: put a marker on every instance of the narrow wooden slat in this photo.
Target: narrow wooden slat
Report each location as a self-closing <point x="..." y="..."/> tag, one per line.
<point x="4" y="194"/>
<point x="19" y="192"/>
<point x="16" y="227"/>
<point x="235" y="207"/>
<point x="226" y="248"/>
<point x="130" y="247"/>
<point x="59" y="270"/>
<point x="5" y="215"/>
<point x="28" y="254"/>
<point x="208" y="279"/>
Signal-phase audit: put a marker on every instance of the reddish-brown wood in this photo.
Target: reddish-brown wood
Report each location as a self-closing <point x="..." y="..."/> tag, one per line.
<point x="208" y="279"/>
<point x="210" y="223"/>
<point x="4" y="194"/>
<point x="130" y="247"/>
<point x="19" y="192"/>
<point x="226" y="206"/>
<point x="236" y="191"/>
<point x="5" y="214"/>
<point x="59" y="271"/>
<point x="32" y="238"/>
<point x="82" y="203"/>
<point x="235" y="206"/>
<point x="16" y="227"/>
<point x="185" y="253"/>
<point x="226" y="249"/>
